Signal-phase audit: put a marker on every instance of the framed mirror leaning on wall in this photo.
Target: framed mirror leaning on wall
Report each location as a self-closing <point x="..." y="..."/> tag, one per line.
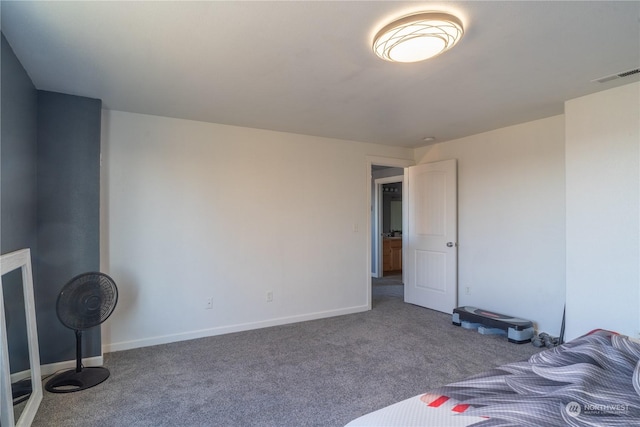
<point x="19" y="353"/>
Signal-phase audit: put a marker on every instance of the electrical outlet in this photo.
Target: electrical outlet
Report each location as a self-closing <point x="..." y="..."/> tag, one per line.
<point x="467" y="290"/>
<point x="209" y="304"/>
<point x="269" y="296"/>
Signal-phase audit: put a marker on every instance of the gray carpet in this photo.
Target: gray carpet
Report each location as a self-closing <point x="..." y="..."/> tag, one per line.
<point x="387" y="286"/>
<point x="317" y="373"/>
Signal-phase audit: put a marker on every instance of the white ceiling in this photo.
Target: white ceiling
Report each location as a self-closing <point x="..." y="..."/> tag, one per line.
<point x="307" y="67"/>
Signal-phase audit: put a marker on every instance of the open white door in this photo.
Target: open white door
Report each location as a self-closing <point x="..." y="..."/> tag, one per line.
<point x="431" y="257"/>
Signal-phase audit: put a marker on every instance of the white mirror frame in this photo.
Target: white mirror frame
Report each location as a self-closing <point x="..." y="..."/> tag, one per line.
<point x="12" y="261"/>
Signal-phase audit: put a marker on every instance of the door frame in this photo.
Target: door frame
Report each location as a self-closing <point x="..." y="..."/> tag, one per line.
<point x="377" y="223"/>
<point x="369" y="162"/>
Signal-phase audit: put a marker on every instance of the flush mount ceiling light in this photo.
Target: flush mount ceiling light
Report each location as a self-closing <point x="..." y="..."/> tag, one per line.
<point x="417" y="37"/>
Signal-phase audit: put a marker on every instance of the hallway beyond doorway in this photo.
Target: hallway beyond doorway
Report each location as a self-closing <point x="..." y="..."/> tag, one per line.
<point x="387" y="286"/>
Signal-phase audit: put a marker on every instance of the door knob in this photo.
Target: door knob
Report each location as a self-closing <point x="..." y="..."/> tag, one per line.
<point x="450" y="244"/>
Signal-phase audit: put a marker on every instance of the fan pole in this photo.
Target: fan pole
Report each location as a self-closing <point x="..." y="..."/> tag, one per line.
<point x="78" y="351"/>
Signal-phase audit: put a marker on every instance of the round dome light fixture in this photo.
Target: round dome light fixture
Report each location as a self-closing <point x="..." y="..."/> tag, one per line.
<point x="417" y="37"/>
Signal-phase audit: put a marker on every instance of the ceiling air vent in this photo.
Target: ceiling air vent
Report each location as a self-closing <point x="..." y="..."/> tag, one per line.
<point x="629" y="73"/>
<point x="616" y="76"/>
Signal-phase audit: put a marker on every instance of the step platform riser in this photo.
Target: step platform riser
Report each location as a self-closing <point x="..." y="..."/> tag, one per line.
<point x="518" y="331"/>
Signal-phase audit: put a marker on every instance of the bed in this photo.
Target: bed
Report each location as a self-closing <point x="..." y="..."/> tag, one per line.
<point x="593" y="380"/>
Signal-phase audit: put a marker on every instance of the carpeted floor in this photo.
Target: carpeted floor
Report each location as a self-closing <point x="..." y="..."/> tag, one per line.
<point x="387" y="286"/>
<point x="318" y="373"/>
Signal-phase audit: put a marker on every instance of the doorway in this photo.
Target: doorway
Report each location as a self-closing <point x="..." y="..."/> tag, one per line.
<point x="387" y="222"/>
<point x="388" y="280"/>
<point x="429" y="231"/>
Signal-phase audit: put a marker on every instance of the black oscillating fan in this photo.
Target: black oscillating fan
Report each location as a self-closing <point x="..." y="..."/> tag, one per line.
<point x="86" y="301"/>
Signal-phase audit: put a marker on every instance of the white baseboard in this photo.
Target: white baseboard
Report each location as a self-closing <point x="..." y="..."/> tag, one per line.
<point x="202" y="333"/>
<point x="19" y="376"/>
<point x="53" y="368"/>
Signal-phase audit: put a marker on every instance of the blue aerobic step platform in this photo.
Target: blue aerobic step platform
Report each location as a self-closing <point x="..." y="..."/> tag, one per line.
<point x="518" y="331"/>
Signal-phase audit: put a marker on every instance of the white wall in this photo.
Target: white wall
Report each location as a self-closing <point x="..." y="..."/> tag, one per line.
<point x="603" y="215"/>
<point x="193" y="210"/>
<point x="511" y="222"/>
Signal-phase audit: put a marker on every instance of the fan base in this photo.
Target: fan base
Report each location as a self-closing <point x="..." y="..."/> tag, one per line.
<point x="70" y="381"/>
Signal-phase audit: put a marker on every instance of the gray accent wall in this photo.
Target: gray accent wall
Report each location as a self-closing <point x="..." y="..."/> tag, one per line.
<point x="18" y="191"/>
<point x="18" y="153"/>
<point x="68" y="221"/>
<point x="49" y="202"/>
